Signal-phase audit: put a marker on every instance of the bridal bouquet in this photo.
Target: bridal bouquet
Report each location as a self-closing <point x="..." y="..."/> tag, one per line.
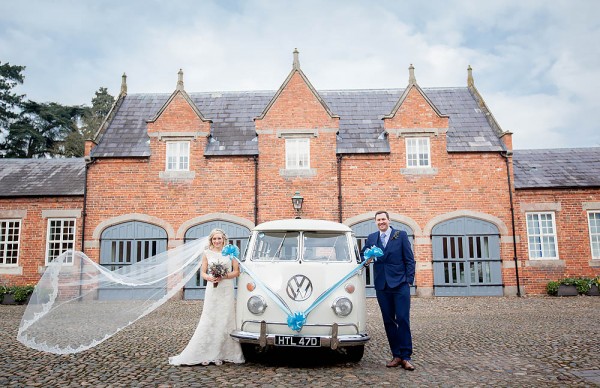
<point x="218" y="270"/>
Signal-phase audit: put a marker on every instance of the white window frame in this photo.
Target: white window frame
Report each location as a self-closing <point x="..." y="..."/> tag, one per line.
<point x="4" y="243"/>
<point x="297" y="153"/>
<point x="594" y="234"/>
<point x="70" y="244"/>
<point x="418" y="152"/>
<point x="547" y="235"/>
<point x="177" y="156"/>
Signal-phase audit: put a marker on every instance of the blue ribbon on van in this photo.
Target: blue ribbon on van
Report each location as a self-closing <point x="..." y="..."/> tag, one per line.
<point x="296" y="320"/>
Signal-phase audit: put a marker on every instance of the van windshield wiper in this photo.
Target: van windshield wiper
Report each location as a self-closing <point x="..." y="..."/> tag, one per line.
<point x="280" y="246"/>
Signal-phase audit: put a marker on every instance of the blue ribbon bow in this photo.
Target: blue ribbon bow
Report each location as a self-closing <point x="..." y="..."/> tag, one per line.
<point x="373" y="252"/>
<point x="231" y="251"/>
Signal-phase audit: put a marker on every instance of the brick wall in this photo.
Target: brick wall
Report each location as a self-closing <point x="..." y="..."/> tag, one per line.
<point x="34" y="229"/>
<point x="574" y="252"/>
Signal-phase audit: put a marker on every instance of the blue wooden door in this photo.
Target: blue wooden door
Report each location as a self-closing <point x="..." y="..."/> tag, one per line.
<point x="466" y="258"/>
<point x="237" y="235"/>
<point x="127" y="243"/>
<point x="362" y="231"/>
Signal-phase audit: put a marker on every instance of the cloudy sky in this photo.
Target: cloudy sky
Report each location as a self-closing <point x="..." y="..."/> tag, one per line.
<point x="536" y="63"/>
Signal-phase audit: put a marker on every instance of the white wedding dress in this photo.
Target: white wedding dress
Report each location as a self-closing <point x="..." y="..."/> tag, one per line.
<point x="211" y="341"/>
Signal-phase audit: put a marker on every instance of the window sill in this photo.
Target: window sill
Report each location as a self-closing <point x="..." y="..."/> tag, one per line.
<point x="298" y="173"/>
<point x="419" y="171"/>
<point x="545" y="263"/>
<point x="595" y="263"/>
<point x="177" y="175"/>
<point x="11" y="270"/>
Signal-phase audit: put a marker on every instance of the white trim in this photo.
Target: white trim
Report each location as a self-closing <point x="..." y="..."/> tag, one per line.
<point x="3" y="244"/>
<point x="590" y="205"/>
<point x="178" y="154"/>
<point x="61" y="240"/>
<point x="541" y="207"/>
<point x="370" y="216"/>
<point x="133" y="217"/>
<point x="180" y="235"/>
<point x="417" y="148"/>
<point x="298" y="133"/>
<point x="466" y="213"/>
<point x="298" y="149"/>
<point x="61" y="213"/>
<point x="542" y="234"/>
<point x="13" y="213"/>
<point x="590" y="235"/>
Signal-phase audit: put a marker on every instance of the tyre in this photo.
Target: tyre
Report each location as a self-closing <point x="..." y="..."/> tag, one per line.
<point x="354" y="353"/>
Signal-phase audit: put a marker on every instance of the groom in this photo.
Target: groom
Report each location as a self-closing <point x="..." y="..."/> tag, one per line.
<point x="394" y="273"/>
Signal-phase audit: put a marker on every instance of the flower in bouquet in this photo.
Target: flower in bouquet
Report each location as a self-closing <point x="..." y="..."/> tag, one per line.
<point x="218" y="270"/>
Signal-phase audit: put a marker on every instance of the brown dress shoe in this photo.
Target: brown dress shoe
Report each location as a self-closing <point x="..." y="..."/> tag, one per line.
<point x="407" y="365"/>
<point x="394" y="363"/>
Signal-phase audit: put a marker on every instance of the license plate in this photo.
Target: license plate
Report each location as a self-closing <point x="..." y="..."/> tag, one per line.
<point x="290" y="340"/>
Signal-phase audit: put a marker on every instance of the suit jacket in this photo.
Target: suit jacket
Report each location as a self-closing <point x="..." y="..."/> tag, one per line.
<point x="397" y="265"/>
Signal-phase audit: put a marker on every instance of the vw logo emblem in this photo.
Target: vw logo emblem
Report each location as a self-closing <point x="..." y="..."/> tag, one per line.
<point x="299" y="288"/>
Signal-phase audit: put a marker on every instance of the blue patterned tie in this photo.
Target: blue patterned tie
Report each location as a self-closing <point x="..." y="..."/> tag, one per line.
<point x="383" y="242"/>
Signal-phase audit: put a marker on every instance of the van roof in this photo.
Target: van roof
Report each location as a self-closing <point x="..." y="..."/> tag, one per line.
<point x="303" y="224"/>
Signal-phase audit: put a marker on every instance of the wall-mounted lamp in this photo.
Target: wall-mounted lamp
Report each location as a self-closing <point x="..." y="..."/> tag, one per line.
<point x="297" y="200"/>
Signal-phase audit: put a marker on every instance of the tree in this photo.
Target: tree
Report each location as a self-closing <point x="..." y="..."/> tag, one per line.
<point x="10" y="102"/>
<point x="91" y="119"/>
<point x="42" y="129"/>
<point x="94" y="116"/>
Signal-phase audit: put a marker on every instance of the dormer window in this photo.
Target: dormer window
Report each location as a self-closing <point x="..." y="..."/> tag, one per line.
<point x="418" y="152"/>
<point x="297" y="154"/>
<point x="178" y="156"/>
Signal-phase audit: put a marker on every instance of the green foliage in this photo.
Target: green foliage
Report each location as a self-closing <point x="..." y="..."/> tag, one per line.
<point x="10" y="102"/>
<point x="582" y="284"/>
<point x="29" y="129"/>
<point x="94" y="116"/>
<point x="552" y="288"/>
<point x="20" y="293"/>
<point x="41" y="129"/>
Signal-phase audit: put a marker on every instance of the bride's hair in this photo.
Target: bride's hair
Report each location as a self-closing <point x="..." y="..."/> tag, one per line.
<point x="212" y="233"/>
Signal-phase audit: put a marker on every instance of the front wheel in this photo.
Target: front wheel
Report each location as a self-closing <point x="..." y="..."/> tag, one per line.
<point x="354" y="353"/>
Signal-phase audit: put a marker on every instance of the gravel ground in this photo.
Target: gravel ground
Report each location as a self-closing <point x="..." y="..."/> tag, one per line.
<point x="467" y="342"/>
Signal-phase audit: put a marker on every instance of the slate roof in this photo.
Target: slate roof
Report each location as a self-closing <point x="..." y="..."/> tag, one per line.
<point x="41" y="177"/>
<point x="360" y="111"/>
<point x="556" y="168"/>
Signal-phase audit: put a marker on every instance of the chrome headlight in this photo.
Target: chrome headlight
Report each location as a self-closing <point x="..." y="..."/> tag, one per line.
<point x="256" y="304"/>
<point x="342" y="306"/>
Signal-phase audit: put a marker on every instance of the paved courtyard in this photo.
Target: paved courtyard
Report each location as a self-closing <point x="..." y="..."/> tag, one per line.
<point x="529" y="341"/>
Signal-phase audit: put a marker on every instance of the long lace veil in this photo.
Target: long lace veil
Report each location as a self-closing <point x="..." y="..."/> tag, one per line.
<point x="78" y="304"/>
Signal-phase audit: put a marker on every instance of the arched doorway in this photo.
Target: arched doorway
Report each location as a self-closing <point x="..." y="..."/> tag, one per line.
<point x="362" y="230"/>
<point x="237" y="234"/>
<point x="127" y="243"/>
<point x="466" y="258"/>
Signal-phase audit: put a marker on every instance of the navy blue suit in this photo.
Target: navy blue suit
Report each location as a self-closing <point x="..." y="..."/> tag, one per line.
<point x="394" y="273"/>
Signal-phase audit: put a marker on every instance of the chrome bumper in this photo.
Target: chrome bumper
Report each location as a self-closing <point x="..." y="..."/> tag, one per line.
<point x="332" y="341"/>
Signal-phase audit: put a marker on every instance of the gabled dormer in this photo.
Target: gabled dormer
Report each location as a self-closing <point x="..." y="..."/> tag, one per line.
<point x="178" y="115"/>
<point x="416" y="129"/>
<point x="177" y="131"/>
<point x="296" y="105"/>
<point x="296" y="128"/>
<point x="414" y="110"/>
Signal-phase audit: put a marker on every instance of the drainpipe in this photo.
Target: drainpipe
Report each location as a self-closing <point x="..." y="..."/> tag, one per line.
<point x="88" y="163"/>
<point x="255" y="190"/>
<point x="505" y="155"/>
<point x="339" y="179"/>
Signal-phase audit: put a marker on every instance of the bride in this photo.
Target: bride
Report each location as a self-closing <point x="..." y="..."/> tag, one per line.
<point x="211" y="341"/>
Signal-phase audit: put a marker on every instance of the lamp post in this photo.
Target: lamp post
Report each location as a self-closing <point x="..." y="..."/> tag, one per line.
<point x="297" y="200"/>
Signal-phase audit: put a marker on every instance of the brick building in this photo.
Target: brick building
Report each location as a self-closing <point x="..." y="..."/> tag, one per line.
<point x="166" y="168"/>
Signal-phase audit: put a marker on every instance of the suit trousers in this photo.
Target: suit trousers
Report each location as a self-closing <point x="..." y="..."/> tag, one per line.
<point x="395" y="310"/>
